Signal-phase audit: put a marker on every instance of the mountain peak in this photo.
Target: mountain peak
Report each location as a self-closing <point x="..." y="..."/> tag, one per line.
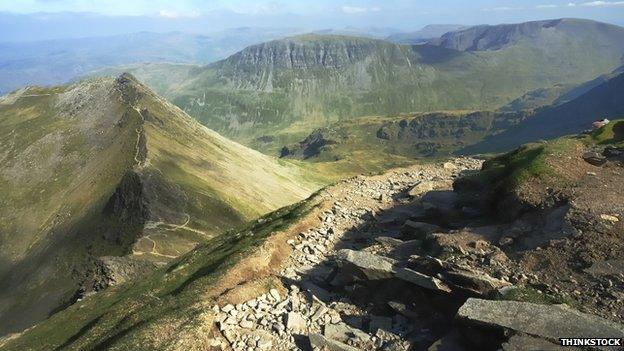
<point x="543" y="34"/>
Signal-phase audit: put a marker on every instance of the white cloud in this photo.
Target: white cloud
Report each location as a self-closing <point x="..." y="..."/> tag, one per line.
<point x="353" y="9"/>
<point x="350" y="10"/>
<point x="597" y="4"/>
<point x="176" y="14"/>
<point x="546" y="6"/>
<point x="503" y="8"/>
<point x="583" y="4"/>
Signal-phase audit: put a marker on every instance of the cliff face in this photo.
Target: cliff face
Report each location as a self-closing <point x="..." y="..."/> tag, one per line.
<point x="307" y="52"/>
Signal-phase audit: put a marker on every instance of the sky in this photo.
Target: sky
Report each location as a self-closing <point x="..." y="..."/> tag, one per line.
<point x="40" y="18"/>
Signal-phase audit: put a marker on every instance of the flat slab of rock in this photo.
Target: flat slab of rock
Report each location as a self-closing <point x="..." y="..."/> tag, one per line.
<point x="323" y="343"/>
<point x="440" y="200"/>
<point x="371" y="266"/>
<point x="422" y="280"/>
<point x="545" y="321"/>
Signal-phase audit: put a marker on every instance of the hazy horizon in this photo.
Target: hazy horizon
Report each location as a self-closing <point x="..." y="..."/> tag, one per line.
<point x="34" y="20"/>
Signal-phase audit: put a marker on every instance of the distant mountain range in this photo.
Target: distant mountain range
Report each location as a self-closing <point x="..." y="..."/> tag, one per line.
<point x="276" y="93"/>
<point x="59" y="61"/>
<point x="426" y="34"/>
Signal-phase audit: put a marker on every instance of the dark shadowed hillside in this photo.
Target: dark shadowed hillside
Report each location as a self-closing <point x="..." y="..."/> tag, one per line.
<point x="604" y="101"/>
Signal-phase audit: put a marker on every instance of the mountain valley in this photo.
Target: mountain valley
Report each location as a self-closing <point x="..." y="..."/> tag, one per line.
<point x="274" y="94"/>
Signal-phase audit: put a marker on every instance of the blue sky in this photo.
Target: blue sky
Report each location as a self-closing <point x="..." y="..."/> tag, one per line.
<point x="191" y="8"/>
<point x="45" y="19"/>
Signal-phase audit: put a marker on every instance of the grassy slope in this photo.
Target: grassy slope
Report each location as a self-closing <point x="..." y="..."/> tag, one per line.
<point x="50" y="158"/>
<point x="512" y="171"/>
<point x="66" y="151"/>
<point x="128" y="316"/>
<point x="410" y="135"/>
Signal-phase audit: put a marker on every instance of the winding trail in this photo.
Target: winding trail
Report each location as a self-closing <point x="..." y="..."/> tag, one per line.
<point x="361" y="212"/>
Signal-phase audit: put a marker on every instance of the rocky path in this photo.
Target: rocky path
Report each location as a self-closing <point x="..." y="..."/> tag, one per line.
<point x="401" y="262"/>
<point x="366" y="215"/>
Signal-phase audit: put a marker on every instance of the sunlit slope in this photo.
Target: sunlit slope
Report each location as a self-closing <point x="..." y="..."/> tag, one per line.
<point x="106" y="167"/>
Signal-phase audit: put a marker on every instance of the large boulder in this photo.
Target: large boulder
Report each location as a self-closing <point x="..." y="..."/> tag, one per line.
<point x="365" y="265"/>
<point x="550" y="322"/>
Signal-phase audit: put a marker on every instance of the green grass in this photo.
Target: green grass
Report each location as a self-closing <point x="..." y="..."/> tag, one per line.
<point x="612" y="133"/>
<point x="121" y="317"/>
<point x="510" y="170"/>
<point x="61" y="170"/>
<point x="529" y="294"/>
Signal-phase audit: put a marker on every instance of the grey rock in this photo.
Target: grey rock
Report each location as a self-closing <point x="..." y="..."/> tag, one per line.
<point x="475" y="282"/>
<point x="594" y="158"/>
<point x="323" y="343"/>
<point x="370" y="266"/>
<point x="388" y="242"/>
<point x="406" y="249"/>
<point x="442" y="201"/>
<point x="316" y="291"/>
<point x="295" y="322"/>
<point x="545" y="321"/>
<point x="402" y="309"/>
<point x="422" y="280"/>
